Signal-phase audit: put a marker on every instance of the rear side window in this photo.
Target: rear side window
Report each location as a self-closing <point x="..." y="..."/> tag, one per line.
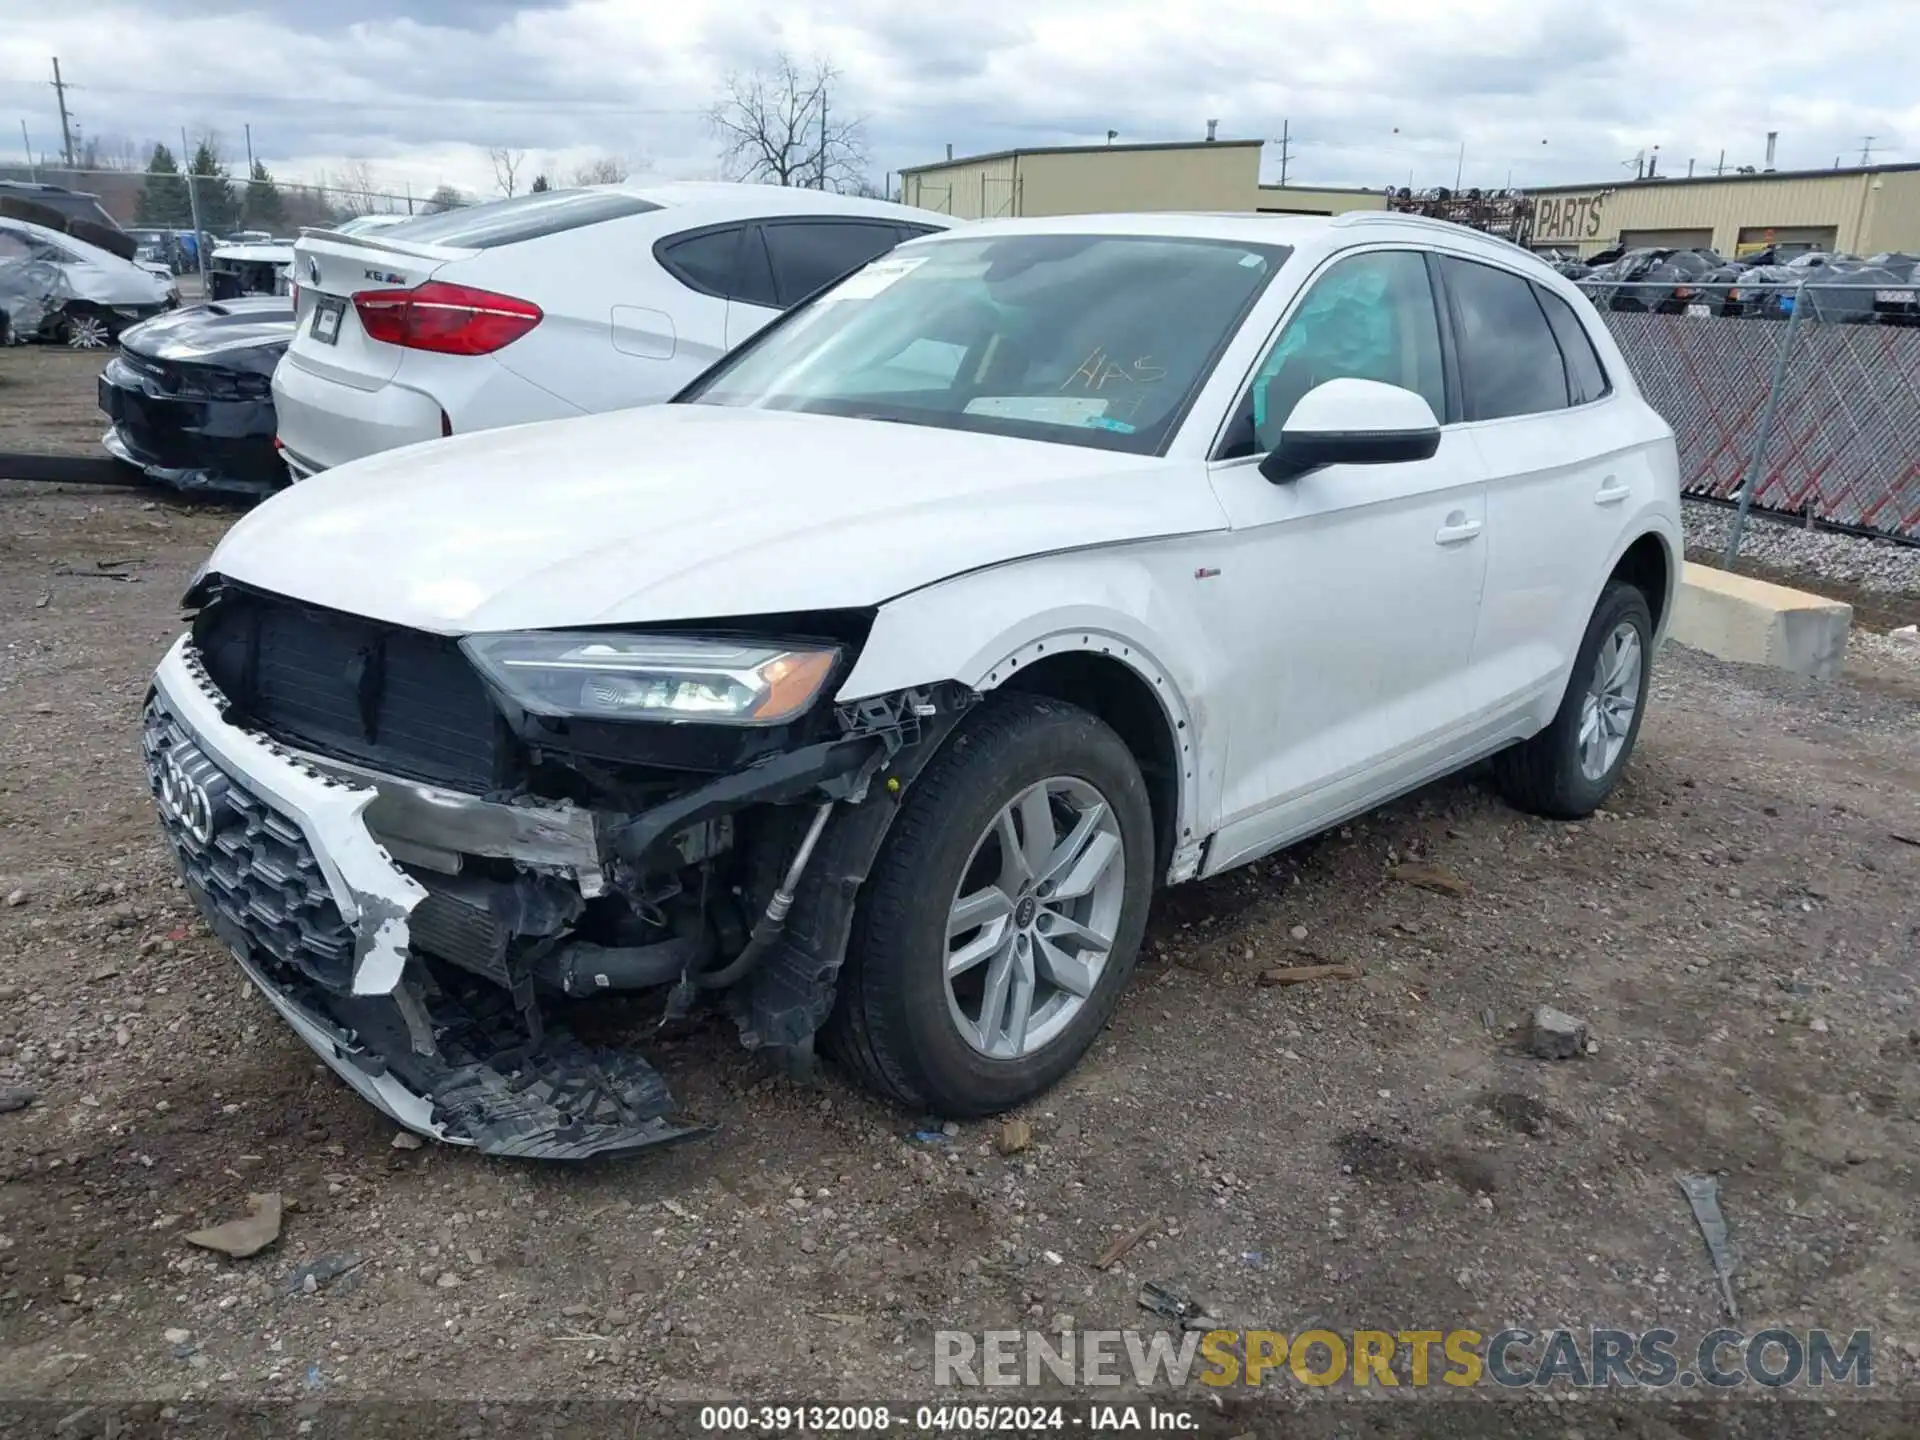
<point x="1508" y="357"/>
<point x="525" y="217"/>
<point x="706" y="262"/>
<point x="810" y="254"/>
<point x="728" y="263"/>
<point x="1586" y="379"/>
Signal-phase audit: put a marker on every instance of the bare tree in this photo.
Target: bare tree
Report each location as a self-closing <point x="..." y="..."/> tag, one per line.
<point x="354" y="188"/>
<point x="506" y="169"/>
<point x="603" y="170"/>
<point x="776" y="126"/>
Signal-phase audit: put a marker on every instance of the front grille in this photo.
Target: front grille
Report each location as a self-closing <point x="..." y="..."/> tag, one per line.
<point x="395" y="699"/>
<point x="190" y="380"/>
<point x="249" y="867"/>
<point x="153" y="370"/>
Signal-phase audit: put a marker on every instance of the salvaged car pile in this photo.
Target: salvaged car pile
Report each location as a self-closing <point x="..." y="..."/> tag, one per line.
<point x="1880" y="289"/>
<point x="865" y="693"/>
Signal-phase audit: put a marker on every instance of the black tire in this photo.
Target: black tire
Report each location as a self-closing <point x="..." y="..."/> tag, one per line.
<point x="1543" y="776"/>
<point x="891" y="1026"/>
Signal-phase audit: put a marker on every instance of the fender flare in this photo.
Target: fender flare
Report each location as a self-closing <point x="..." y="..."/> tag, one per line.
<point x="1184" y="861"/>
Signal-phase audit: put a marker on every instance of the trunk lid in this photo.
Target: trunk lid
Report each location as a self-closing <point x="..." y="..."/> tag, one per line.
<point x="330" y="269"/>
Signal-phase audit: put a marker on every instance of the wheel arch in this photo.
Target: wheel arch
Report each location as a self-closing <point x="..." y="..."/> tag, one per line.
<point x="1094" y="672"/>
<point x="1649" y="562"/>
<point x="1145" y="684"/>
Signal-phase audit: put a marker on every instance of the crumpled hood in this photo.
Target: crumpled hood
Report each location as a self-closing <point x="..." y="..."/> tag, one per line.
<point x="205" y="334"/>
<point x="689" y="512"/>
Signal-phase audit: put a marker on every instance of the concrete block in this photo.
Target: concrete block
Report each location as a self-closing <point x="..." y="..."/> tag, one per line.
<point x="1753" y="622"/>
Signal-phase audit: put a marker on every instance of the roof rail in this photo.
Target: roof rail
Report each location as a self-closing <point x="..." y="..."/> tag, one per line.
<point x="1393" y="217"/>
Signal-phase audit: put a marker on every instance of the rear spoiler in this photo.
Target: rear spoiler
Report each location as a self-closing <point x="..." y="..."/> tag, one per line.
<point x="369" y="240"/>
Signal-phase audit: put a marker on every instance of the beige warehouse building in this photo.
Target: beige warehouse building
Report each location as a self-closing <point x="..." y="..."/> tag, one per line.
<point x="1864" y="211"/>
<point x="1089" y="179"/>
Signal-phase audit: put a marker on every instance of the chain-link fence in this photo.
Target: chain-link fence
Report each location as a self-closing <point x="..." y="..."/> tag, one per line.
<point x="1803" y="400"/>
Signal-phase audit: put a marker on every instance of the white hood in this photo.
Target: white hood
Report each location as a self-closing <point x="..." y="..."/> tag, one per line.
<point x="689" y="512"/>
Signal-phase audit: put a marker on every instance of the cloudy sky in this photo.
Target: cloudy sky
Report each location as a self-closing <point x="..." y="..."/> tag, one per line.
<point x="1373" y="91"/>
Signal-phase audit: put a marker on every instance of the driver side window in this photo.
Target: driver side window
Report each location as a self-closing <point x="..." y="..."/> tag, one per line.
<point x="1368" y="317"/>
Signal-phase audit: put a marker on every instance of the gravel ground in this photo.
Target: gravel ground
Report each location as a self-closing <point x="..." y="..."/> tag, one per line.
<point x="1738" y="928"/>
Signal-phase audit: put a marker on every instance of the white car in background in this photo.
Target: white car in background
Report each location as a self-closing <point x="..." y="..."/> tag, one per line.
<point x="74" y="292"/>
<point x="549" y="305"/>
<point x="254" y="263"/>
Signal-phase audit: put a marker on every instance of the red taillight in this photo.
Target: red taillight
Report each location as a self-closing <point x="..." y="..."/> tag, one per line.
<point x="446" y="319"/>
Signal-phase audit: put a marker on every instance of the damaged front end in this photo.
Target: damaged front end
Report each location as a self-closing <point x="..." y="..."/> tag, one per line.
<point x="434" y="867"/>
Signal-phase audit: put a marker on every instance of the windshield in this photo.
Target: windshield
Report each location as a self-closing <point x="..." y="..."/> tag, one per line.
<point x="1098" y="340"/>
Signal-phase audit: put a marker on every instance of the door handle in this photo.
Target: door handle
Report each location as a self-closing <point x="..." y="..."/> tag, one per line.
<point x="1456" y="531"/>
<point x="1611" y="492"/>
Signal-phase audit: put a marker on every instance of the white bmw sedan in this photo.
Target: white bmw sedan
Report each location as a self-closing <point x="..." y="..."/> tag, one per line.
<point x="553" y="304"/>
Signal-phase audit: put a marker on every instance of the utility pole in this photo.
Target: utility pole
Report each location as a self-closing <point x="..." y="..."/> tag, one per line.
<point x="66" y="123"/>
<point x="823" y="134"/>
<point x="249" y="130"/>
<point x="1866" y="148"/>
<point x="1286" y="149"/>
<point x="1460" y="168"/>
<point x="193" y="211"/>
<point x="33" y="171"/>
<point x="1720" y="168"/>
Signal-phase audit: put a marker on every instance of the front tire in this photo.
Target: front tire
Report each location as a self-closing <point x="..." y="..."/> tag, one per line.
<point x="1567" y="771"/>
<point x="1003" y="917"/>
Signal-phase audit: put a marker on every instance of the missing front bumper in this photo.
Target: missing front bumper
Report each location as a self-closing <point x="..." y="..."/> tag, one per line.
<point x="281" y="863"/>
<point x="484" y="1086"/>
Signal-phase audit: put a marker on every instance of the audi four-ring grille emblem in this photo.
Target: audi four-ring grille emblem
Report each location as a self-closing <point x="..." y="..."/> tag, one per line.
<point x="186" y="799"/>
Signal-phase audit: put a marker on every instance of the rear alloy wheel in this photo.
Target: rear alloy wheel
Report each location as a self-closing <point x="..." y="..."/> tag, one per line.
<point x="1004" y="914"/>
<point x="1567" y="771"/>
<point x="87" y="330"/>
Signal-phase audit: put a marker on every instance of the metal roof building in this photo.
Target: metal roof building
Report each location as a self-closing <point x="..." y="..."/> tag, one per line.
<point x="1864" y="210"/>
<point x="1089" y="179"/>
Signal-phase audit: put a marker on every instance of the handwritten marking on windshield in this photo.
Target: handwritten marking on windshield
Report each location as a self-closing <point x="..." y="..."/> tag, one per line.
<point x="1098" y="368"/>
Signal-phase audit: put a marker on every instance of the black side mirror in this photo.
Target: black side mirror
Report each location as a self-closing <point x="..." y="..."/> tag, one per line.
<point x="1352" y="422"/>
<point x="1297" y="454"/>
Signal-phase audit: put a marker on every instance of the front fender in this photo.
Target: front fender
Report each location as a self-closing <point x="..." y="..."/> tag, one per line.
<point x="1144" y="606"/>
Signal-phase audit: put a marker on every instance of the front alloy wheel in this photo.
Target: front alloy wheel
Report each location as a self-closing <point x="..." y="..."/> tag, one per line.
<point x="87" y="331"/>
<point x="1003" y="915"/>
<point x="1033" y="919"/>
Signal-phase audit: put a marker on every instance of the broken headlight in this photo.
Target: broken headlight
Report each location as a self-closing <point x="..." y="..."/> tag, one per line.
<point x="652" y="677"/>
